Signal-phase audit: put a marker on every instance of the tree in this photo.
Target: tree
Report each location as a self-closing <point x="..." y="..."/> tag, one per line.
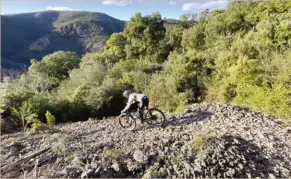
<point x="146" y="38"/>
<point x="194" y="38"/>
<point x="203" y="16"/>
<point x="27" y="115"/>
<point x="56" y="65"/>
<point x="116" y="45"/>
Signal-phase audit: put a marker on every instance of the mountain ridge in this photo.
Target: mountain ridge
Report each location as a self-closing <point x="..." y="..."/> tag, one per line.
<point x="27" y="36"/>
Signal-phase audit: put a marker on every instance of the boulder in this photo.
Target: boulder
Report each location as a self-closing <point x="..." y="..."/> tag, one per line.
<point x="133" y="166"/>
<point x="140" y="157"/>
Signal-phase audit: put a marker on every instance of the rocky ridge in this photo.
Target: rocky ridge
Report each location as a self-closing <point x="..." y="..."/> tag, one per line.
<point x="207" y="140"/>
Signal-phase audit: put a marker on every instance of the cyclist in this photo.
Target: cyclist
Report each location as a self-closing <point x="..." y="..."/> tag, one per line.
<point x="136" y="100"/>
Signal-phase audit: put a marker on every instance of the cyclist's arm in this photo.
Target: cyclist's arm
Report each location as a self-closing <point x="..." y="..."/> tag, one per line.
<point x="130" y="101"/>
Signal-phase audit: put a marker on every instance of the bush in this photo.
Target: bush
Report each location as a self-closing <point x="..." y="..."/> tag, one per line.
<point x="42" y="77"/>
<point x="275" y="100"/>
<point x="27" y="115"/>
<point x="51" y="120"/>
<point x="163" y="93"/>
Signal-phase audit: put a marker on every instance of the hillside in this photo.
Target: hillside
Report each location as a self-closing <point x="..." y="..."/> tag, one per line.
<point x="34" y="35"/>
<point x="207" y="140"/>
<point x="239" y="55"/>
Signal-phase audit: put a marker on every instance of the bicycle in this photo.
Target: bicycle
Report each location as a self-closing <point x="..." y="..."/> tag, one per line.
<point x="153" y="117"/>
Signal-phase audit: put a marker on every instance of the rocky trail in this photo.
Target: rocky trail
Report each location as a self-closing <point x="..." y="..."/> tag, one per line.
<point x="207" y="140"/>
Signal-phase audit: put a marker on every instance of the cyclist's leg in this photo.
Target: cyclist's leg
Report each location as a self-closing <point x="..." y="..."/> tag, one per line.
<point x="144" y="105"/>
<point x="140" y="109"/>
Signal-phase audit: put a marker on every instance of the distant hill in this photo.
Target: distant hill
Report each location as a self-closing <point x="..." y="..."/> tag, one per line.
<point x="34" y="35"/>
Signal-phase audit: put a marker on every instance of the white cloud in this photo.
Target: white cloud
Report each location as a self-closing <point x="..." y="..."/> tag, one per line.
<point x="51" y="8"/>
<point x="196" y="6"/>
<point x="172" y="2"/>
<point x="117" y="2"/>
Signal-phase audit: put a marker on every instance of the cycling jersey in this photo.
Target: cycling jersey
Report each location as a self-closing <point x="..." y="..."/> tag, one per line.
<point x="134" y="97"/>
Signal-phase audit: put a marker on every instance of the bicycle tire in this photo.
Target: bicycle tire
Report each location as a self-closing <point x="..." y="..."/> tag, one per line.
<point x="127" y="117"/>
<point x="152" y="116"/>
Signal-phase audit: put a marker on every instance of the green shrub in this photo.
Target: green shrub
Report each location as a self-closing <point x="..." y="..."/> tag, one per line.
<point x="275" y="100"/>
<point x="27" y="115"/>
<point x="51" y="120"/>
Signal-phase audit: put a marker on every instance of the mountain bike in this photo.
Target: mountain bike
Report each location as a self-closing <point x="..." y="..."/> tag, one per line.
<point x="153" y="117"/>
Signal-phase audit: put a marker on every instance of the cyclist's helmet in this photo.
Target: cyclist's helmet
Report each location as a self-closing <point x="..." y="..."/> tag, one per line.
<point x="127" y="93"/>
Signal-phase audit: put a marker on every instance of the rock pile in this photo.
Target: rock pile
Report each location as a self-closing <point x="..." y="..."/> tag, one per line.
<point x="231" y="157"/>
<point x="207" y="140"/>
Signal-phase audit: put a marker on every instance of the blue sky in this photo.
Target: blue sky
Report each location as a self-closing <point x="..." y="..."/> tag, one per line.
<point x="121" y="9"/>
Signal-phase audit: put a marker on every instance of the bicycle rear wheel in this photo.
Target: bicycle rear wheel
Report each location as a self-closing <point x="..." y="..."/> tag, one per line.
<point x="155" y="117"/>
<point x="127" y="122"/>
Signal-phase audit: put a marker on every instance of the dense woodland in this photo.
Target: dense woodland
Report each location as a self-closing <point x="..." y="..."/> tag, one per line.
<point x="238" y="55"/>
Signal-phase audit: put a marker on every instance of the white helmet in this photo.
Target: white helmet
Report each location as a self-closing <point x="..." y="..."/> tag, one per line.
<point x="127" y="93"/>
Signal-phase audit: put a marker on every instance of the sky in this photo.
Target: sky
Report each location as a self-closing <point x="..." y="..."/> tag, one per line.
<point x="120" y="9"/>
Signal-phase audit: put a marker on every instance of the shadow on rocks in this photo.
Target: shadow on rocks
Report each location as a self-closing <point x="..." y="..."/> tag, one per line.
<point x="233" y="157"/>
<point x="188" y="118"/>
<point x="179" y="120"/>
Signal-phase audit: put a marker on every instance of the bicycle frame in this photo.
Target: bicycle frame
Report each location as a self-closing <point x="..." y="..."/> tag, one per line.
<point x="141" y="117"/>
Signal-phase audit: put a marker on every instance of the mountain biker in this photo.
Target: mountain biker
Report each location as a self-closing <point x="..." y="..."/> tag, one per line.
<point x="135" y="100"/>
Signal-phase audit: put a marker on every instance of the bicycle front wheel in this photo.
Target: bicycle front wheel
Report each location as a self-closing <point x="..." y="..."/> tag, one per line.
<point x="127" y="122"/>
<point x="155" y="117"/>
